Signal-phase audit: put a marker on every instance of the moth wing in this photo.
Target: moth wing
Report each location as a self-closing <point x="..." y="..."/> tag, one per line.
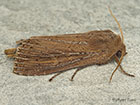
<point x="43" y="55"/>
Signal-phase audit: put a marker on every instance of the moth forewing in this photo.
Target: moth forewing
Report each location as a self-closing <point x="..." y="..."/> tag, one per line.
<point x="60" y="55"/>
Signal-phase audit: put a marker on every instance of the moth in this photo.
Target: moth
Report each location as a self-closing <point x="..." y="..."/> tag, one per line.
<point x="43" y="55"/>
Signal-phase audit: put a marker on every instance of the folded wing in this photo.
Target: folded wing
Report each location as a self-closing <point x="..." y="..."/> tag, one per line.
<point x="42" y="55"/>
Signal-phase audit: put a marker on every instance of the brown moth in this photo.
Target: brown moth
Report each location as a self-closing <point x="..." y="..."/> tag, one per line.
<point x="43" y="55"/>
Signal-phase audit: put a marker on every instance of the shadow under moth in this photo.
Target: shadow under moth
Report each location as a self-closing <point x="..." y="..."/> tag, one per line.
<point x="43" y="55"/>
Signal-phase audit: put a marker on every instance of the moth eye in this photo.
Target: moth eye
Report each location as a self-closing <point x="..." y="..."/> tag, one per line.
<point x="119" y="53"/>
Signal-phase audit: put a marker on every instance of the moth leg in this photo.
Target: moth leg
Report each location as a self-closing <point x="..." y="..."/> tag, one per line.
<point x="119" y="63"/>
<point x="54" y="76"/>
<point x="117" y="60"/>
<point x="10" y="52"/>
<point x="75" y="73"/>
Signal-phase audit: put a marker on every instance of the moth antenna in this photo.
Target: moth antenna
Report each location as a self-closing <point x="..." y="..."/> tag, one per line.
<point x="119" y="63"/>
<point x="117" y="23"/>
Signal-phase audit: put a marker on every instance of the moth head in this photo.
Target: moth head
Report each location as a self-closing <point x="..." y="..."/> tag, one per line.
<point x="122" y="48"/>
